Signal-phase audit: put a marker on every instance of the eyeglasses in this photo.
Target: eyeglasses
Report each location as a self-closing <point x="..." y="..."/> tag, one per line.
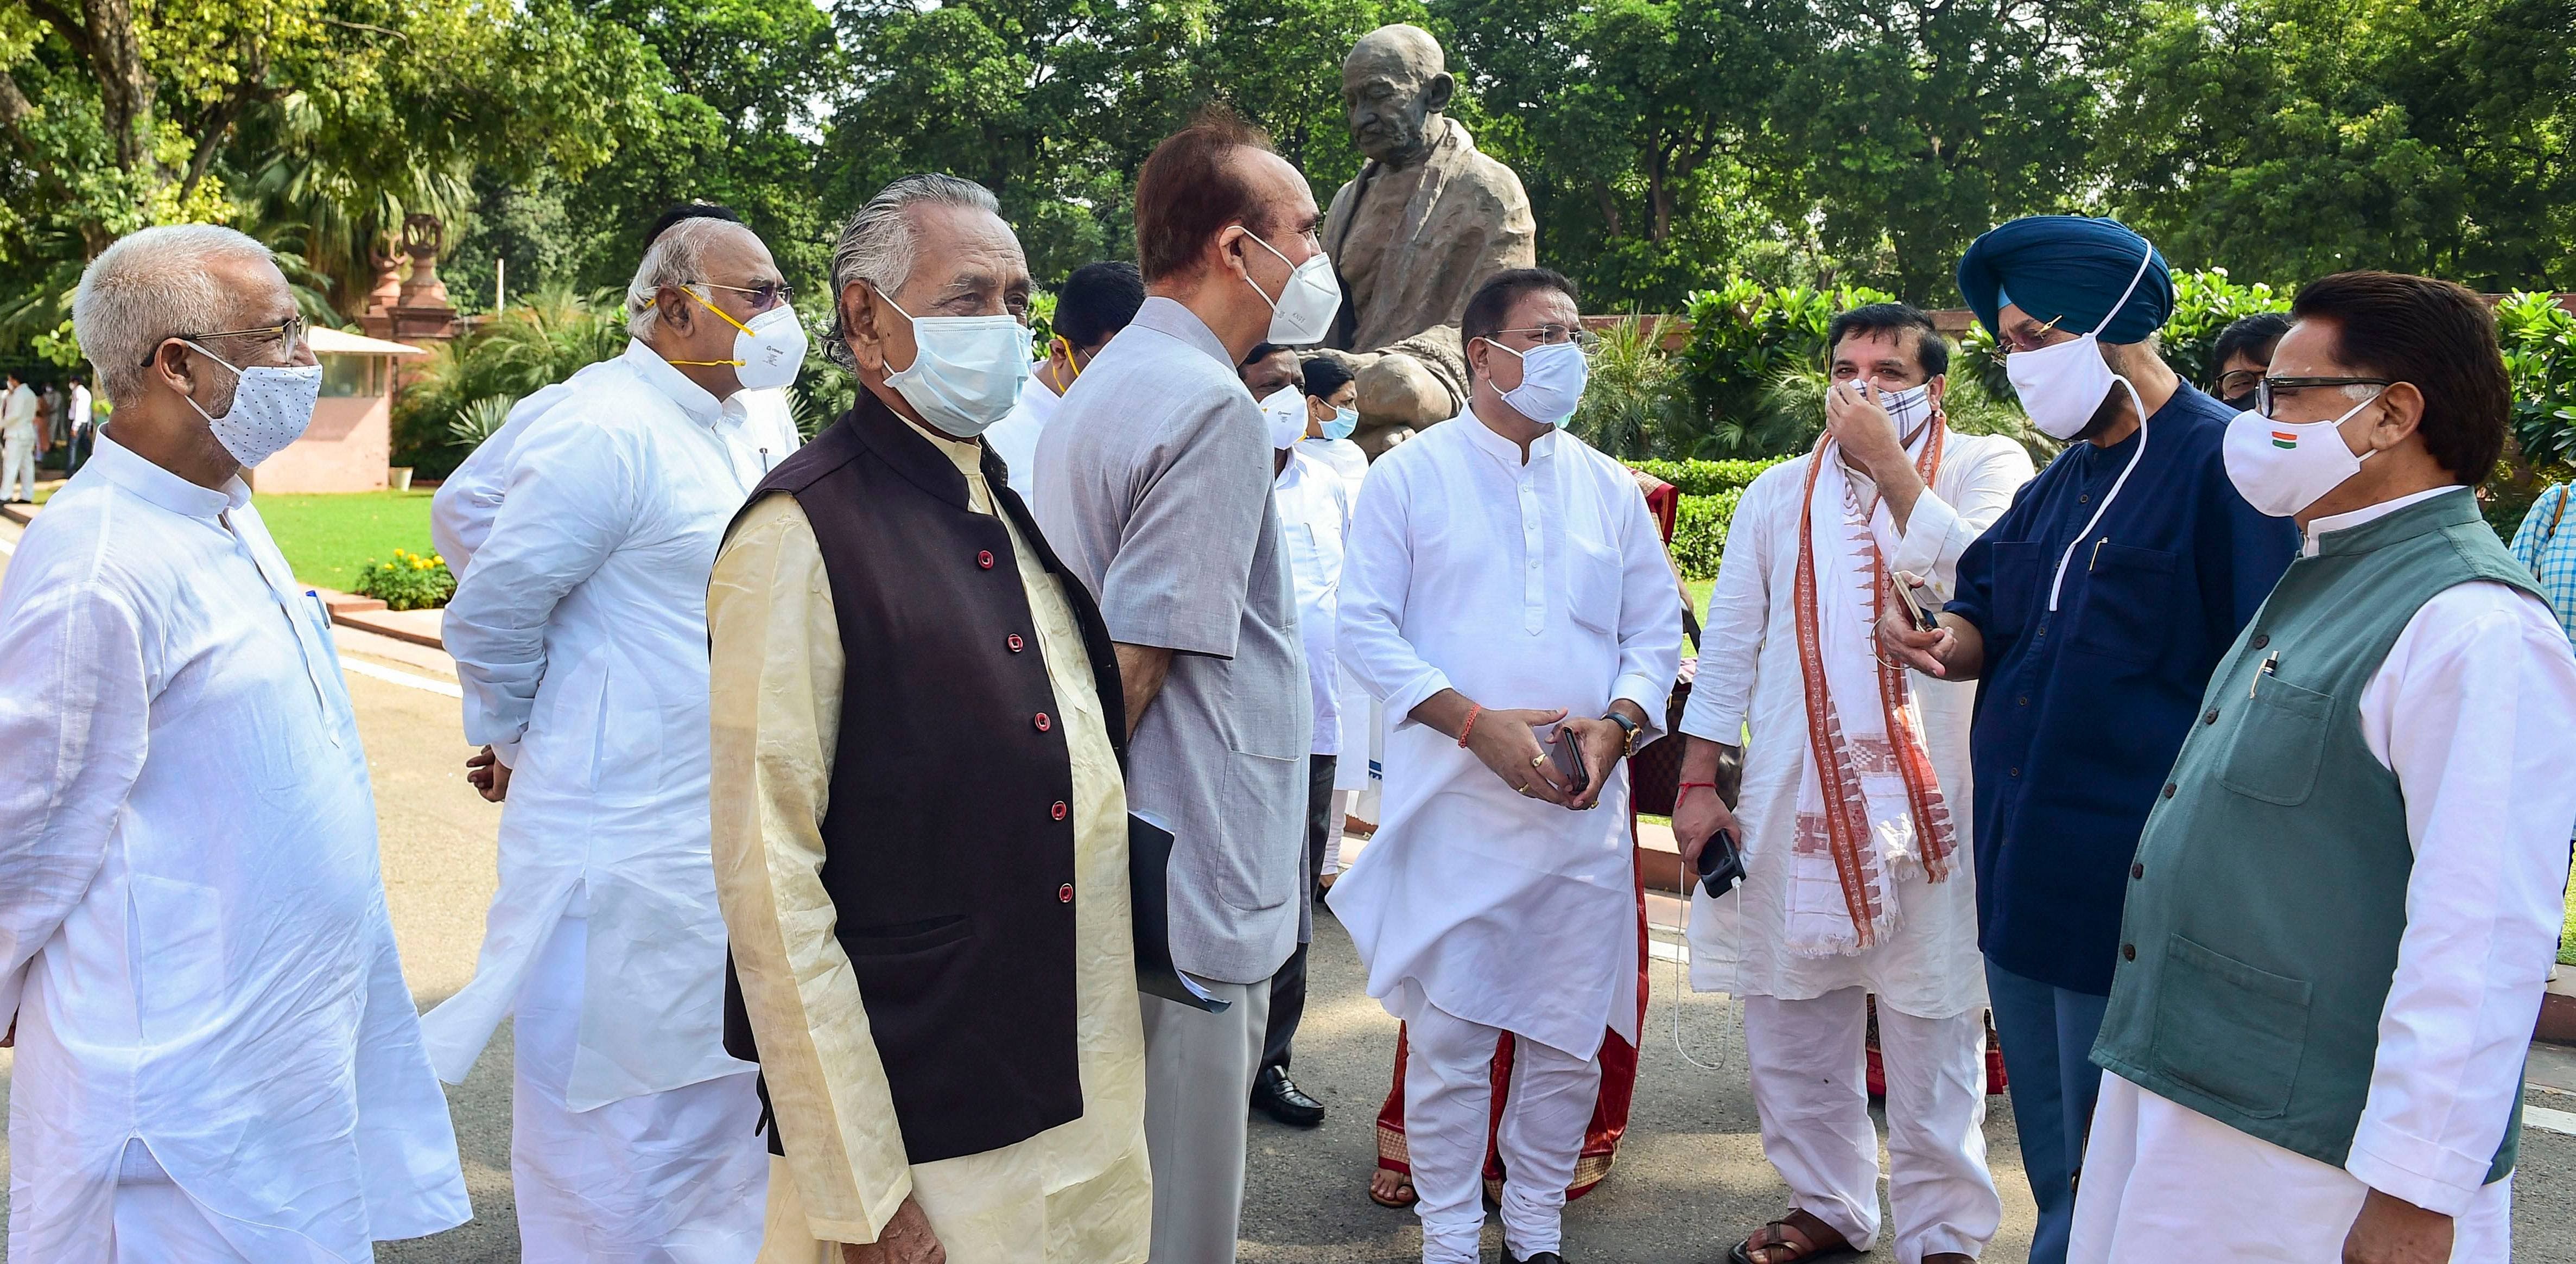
<point x="2016" y="342"/>
<point x="1548" y="334"/>
<point x="2231" y="385"/>
<point x="766" y="295"/>
<point x="2268" y="391"/>
<point x="292" y="332"/>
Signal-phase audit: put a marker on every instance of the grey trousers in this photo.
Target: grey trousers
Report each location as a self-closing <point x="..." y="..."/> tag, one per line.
<point x="1198" y="1075"/>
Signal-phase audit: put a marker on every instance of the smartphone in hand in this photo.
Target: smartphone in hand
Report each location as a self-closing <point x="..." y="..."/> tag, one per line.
<point x="1566" y="752"/>
<point x="1915" y="610"/>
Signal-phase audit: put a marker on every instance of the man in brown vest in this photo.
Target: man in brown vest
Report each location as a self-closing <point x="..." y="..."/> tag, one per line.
<point x="920" y="818"/>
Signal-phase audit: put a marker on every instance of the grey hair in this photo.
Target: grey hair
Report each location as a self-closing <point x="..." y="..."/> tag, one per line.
<point x="877" y="245"/>
<point x="676" y="258"/>
<point x="149" y="286"/>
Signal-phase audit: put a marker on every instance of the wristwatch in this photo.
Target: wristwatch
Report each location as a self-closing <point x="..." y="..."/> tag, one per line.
<point x="1627" y="729"/>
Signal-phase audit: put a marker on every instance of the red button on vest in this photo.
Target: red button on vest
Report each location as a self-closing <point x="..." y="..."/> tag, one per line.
<point x="1064" y="894"/>
<point x="985" y="559"/>
<point x="1043" y="722"/>
<point x="1058" y="810"/>
<point x="1016" y="643"/>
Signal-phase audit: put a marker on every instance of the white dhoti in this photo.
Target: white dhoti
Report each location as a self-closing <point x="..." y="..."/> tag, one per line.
<point x="1809" y="1064"/>
<point x="1448" y="1104"/>
<point x="677" y="1177"/>
<point x="2162" y="1178"/>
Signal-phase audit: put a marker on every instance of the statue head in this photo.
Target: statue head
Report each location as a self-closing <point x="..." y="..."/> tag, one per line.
<point x="1395" y="84"/>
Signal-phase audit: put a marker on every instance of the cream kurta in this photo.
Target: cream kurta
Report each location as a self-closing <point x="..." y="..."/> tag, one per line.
<point x="1080" y="1193"/>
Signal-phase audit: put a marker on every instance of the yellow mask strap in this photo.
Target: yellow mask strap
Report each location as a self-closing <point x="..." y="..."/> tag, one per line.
<point x="719" y="316"/>
<point x="1069" y="360"/>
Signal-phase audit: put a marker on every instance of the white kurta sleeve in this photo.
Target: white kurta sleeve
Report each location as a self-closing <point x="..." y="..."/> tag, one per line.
<point x="1938" y="530"/>
<point x="2475" y="711"/>
<point x="1739" y="611"/>
<point x="571" y="499"/>
<point x="1650" y="618"/>
<point x="775" y="675"/>
<point x="75" y="719"/>
<point x="1377" y="574"/>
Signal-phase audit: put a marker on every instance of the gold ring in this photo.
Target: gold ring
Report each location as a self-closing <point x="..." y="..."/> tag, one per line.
<point x="1538" y="761"/>
<point x="1522" y="789"/>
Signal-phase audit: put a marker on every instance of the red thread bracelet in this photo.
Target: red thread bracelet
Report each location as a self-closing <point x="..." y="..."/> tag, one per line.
<point x="1686" y="787"/>
<point x="1474" y="709"/>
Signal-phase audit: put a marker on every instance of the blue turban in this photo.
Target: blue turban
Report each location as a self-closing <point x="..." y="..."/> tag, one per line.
<point x="2071" y="267"/>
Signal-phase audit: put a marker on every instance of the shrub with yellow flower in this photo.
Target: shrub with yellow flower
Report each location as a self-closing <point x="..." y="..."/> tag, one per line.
<point x="412" y="581"/>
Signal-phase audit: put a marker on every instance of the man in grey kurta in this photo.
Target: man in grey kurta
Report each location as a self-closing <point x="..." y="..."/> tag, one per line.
<point x="1154" y="486"/>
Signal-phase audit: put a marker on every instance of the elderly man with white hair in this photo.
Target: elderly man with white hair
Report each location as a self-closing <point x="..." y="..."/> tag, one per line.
<point x="217" y="1059"/>
<point x="580" y="637"/>
<point x="920" y="820"/>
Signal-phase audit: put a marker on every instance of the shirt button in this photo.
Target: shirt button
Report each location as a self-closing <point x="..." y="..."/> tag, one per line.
<point x="2024" y="700"/>
<point x="1044" y="724"/>
<point x="2209" y="716"/>
<point x="2016" y="771"/>
<point x="2137" y="871"/>
<point x="2169" y="786"/>
<point x="2085" y="499"/>
<point x="1058" y="811"/>
<point x="2262" y="639"/>
<point x="985" y="559"/>
<point x="1064" y="894"/>
<point x="1016" y="643"/>
<point x="2128" y="952"/>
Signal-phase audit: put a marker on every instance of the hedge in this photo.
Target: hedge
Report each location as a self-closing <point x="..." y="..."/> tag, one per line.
<point x="1699" y="533"/>
<point x="1707" y="478"/>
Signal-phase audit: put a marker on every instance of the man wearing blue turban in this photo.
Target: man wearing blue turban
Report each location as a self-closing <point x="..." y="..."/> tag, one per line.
<point x="2094" y="611"/>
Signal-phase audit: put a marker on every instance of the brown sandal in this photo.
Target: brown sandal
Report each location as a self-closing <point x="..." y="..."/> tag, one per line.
<point x="1813" y="1240"/>
<point x="1402" y="1198"/>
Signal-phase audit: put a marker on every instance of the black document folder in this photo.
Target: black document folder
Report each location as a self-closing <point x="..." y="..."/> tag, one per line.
<point x="1149" y="861"/>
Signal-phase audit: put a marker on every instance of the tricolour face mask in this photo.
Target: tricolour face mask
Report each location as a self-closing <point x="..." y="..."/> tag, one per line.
<point x="1552" y="380"/>
<point x="767" y="352"/>
<point x="966" y="371"/>
<point x="272" y="406"/>
<point x="2281" y="467"/>
<point x="1345" y="420"/>
<point x="1305" y="308"/>
<point x="2062" y="386"/>
<point x="1284" y="410"/>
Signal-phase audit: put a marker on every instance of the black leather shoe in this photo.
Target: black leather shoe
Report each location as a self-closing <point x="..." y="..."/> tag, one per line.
<point x="1543" y="1257"/>
<point x="1277" y="1096"/>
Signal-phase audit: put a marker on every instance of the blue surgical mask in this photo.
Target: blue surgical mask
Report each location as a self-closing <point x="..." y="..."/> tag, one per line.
<point x="1345" y="420"/>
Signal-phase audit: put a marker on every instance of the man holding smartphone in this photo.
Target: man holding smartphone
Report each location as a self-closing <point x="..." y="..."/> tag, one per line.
<point x="1854" y="800"/>
<point x="1505" y="589"/>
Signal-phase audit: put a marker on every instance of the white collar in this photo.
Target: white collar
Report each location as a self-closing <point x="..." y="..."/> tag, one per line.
<point x="2322" y="527"/>
<point x="127" y="469"/>
<point x="693" y="399"/>
<point x="1493" y="444"/>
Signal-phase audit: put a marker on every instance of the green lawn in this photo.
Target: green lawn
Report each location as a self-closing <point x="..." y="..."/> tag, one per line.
<point x="2567" y="937"/>
<point x="328" y="539"/>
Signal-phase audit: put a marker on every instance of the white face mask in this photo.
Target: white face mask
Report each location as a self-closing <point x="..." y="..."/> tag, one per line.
<point x="1908" y="408"/>
<point x="1552" y="380"/>
<point x="1285" y="411"/>
<point x="272" y="405"/>
<point x="1345" y="420"/>
<point x="2281" y="467"/>
<point x="2062" y="386"/>
<point x="1305" y="308"/>
<point x="768" y="351"/>
<point x="966" y="371"/>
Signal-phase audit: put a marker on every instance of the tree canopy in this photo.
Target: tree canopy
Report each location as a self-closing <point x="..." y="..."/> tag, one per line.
<point x="1667" y="144"/>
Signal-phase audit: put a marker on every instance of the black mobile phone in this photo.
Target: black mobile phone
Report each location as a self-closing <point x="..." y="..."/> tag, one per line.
<point x="1914" y="608"/>
<point x="1567" y="754"/>
<point x="1721" y="864"/>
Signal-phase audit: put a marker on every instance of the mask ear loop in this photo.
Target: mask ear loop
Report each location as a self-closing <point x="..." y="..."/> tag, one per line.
<point x="2059" y="581"/>
<point x="719" y="316"/>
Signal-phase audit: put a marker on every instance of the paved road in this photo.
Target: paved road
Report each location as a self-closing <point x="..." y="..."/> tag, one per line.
<point x="1690" y="1178"/>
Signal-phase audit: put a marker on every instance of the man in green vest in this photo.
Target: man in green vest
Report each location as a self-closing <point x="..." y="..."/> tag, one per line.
<point x="2346" y="899"/>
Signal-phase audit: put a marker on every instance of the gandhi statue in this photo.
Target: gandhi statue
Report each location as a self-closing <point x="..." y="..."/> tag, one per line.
<point x="1428" y="219"/>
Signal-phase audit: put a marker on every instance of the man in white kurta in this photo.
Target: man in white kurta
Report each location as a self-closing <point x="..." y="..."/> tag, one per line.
<point x="1890" y="489"/>
<point x="2472" y="712"/>
<point x="1504" y="585"/>
<point x="217" y="1059"/>
<point x="579" y="632"/>
<point x="17" y="441"/>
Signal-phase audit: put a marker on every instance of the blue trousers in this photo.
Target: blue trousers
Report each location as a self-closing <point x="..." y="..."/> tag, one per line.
<point x="2047" y="1036"/>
